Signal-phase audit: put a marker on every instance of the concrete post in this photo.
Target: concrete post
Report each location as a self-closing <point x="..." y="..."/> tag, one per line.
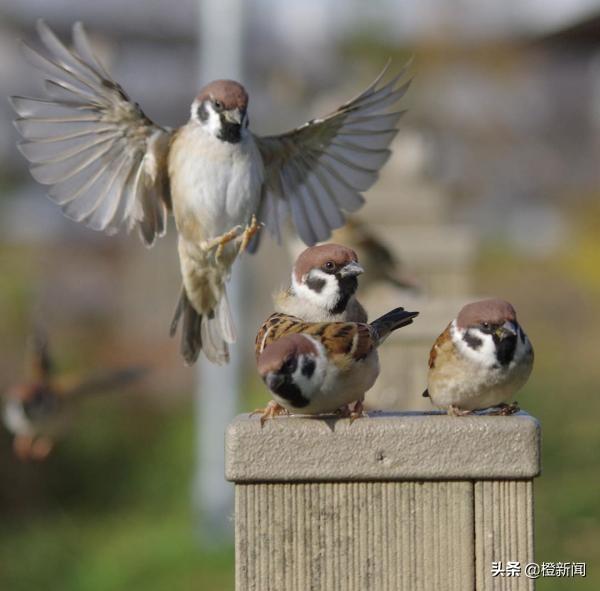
<point x="393" y="502"/>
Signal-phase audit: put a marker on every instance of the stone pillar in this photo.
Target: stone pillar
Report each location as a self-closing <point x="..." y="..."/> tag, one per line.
<point x="392" y="502"/>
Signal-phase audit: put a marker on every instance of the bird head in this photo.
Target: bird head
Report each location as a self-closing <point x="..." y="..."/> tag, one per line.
<point x="327" y="275"/>
<point x="292" y="368"/>
<point x="221" y="108"/>
<point x="488" y="331"/>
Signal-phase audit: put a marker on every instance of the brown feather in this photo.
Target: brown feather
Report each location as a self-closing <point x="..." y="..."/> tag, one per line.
<point x="442" y="342"/>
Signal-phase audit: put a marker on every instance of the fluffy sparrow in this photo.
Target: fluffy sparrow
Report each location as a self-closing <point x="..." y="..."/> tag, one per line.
<point x="480" y="360"/>
<point x="323" y="286"/>
<point x="109" y="165"/>
<point x="315" y="368"/>
<point x="37" y="411"/>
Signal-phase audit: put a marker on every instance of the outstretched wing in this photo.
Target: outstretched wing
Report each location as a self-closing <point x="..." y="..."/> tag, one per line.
<point x="319" y="170"/>
<point x="102" y="157"/>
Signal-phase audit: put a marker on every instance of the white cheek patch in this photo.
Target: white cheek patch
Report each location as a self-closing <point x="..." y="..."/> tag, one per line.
<point x="310" y="385"/>
<point x="328" y="295"/>
<point x="485" y="354"/>
<point x="213" y="124"/>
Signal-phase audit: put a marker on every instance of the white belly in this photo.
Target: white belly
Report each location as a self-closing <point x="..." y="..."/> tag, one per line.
<point x="215" y="185"/>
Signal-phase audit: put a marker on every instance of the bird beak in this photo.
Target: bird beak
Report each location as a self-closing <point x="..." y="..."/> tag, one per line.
<point x="274" y="381"/>
<point x="508" y="329"/>
<point x="234" y="116"/>
<point x="351" y="270"/>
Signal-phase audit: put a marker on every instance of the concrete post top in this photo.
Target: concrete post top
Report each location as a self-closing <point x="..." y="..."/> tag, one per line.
<point x="383" y="446"/>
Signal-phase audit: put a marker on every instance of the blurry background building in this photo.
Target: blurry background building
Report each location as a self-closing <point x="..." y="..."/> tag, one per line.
<point x="492" y="189"/>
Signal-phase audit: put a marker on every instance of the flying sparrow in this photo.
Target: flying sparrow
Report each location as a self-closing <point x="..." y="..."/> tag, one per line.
<point x="323" y="286"/>
<point x="381" y="264"/>
<point x="109" y="165"/>
<point x="315" y="368"/>
<point x="480" y="360"/>
<point x="38" y="410"/>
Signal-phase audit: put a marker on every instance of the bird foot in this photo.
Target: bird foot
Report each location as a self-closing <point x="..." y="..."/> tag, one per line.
<point x="218" y="243"/>
<point x="357" y="412"/>
<point x="506" y="410"/>
<point x="455" y="411"/>
<point x="271" y="411"/>
<point x="28" y="448"/>
<point x="249" y="232"/>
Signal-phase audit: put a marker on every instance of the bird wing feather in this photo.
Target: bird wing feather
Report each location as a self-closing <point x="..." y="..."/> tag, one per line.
<point x="442" y="342"/>
<point x="102" y="157"/>
<point x="319" y="170"/>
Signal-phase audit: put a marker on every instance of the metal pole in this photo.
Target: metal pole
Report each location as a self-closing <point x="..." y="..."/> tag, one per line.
<point x="220" y="46"/>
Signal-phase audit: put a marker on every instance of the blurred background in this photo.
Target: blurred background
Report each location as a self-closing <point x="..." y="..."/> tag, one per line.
<point x="492" y="189"/>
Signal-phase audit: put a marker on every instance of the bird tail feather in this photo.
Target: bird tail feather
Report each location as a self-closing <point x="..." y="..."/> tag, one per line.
<point x="209" y="332"/>
<point x="391" y="321"/>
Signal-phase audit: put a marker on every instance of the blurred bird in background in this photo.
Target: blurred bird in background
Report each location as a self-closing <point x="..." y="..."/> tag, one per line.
<point x="381" y="264"/>
<point x="38" y="410"/>
<point x="108" y="165"/>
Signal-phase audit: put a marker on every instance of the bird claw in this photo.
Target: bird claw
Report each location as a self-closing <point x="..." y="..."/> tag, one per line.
<point x="355" y="413"/>
<point x="219" y="242"/>
<point x="455" y="411"/>
<point x="28" y="448"/>
<point x="505" y="410"/>
<point x="250" y="231"/>
<point x="271" y="411"/>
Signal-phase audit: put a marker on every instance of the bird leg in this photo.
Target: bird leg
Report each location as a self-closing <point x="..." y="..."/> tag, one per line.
<point x="455" y="411"/>
<point x="506" y="410"/>
<point x="248" y="233"/>
<point x="355" y="413"/>
<point x="358" y="412"/>
<point x="218" y="243"/>
<point x="22" y="446"/>
<point x="271" y="411"/>
<point x="41" y="448"/>
<point x="27" y="447"/>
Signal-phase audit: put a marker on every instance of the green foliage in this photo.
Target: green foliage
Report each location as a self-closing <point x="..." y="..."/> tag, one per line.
<point x="111" y="509"/>
<point x="561" y="315"/>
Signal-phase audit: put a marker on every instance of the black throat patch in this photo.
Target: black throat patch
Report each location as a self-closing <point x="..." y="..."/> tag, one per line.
<point x="505" y="349"/>
<point x="348" y="287"/>
<point x="230" y="132"/>
<point x="292" y="393"/>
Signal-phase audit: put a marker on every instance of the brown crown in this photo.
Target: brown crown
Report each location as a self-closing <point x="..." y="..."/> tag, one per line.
<point x="273" y="357"/>
<point x="231" y="93"/>
<point x="315" y="257"/>
<point x="494" y="311"/>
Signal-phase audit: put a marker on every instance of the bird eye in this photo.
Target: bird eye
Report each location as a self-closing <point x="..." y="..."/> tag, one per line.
<point x="218" y="105"/>
<point x="485" y="325"/>
<point x="329" y="266"/>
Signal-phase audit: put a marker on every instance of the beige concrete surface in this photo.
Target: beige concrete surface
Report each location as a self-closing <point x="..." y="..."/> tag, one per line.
<point x="383" y="446"/>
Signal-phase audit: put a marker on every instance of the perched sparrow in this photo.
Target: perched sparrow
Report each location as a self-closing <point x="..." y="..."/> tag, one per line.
<point x="381" y="264"/>
<point x="108" y="165"/>
<point x="324" y="281"/>
<point x="37" y="411"/>
<point x="480" y="360"/>
<point x="315" y="368"/>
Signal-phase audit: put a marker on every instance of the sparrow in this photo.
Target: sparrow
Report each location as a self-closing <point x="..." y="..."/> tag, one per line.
<point x="108" y="165"/>
<point x="323" y="286"/>
<point x="320" y="367"/>
<point x="381" y="263"/>
<point x="37" y="411"/>
<point x="481" y="360"/>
